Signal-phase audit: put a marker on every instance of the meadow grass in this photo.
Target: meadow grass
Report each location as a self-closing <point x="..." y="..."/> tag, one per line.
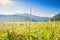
<point x="30" y="30"/>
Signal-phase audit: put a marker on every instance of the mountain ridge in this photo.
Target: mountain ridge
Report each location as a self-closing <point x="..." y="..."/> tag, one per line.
<point x="22" y="17"/>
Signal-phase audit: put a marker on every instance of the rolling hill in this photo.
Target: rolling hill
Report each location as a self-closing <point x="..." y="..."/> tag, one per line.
<point x="56" y="17"/>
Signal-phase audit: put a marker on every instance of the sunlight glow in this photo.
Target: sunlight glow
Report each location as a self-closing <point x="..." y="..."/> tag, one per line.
<point x="3" y="2"/>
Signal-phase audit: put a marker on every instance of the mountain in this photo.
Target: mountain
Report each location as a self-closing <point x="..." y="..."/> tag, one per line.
<point x="22" y="17"/>
<point x="56" y="17"/>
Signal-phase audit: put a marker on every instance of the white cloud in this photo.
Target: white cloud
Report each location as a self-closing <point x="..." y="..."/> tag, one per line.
<point x="4" y="2"/>
<point x="13" y="8"/>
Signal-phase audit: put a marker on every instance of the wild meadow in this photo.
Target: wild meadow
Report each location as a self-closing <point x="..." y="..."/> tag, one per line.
<point x="30" y="30"/>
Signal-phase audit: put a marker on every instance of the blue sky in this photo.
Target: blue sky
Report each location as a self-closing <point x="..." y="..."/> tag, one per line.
<point x="44" y="8"/>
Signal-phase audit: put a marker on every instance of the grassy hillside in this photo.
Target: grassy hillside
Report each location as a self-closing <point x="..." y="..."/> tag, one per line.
<point x="56" y="17"/>
<point x="30" y="30"/>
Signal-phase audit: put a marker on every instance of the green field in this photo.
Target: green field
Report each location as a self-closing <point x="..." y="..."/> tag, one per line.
<point x="30" y="30"/>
